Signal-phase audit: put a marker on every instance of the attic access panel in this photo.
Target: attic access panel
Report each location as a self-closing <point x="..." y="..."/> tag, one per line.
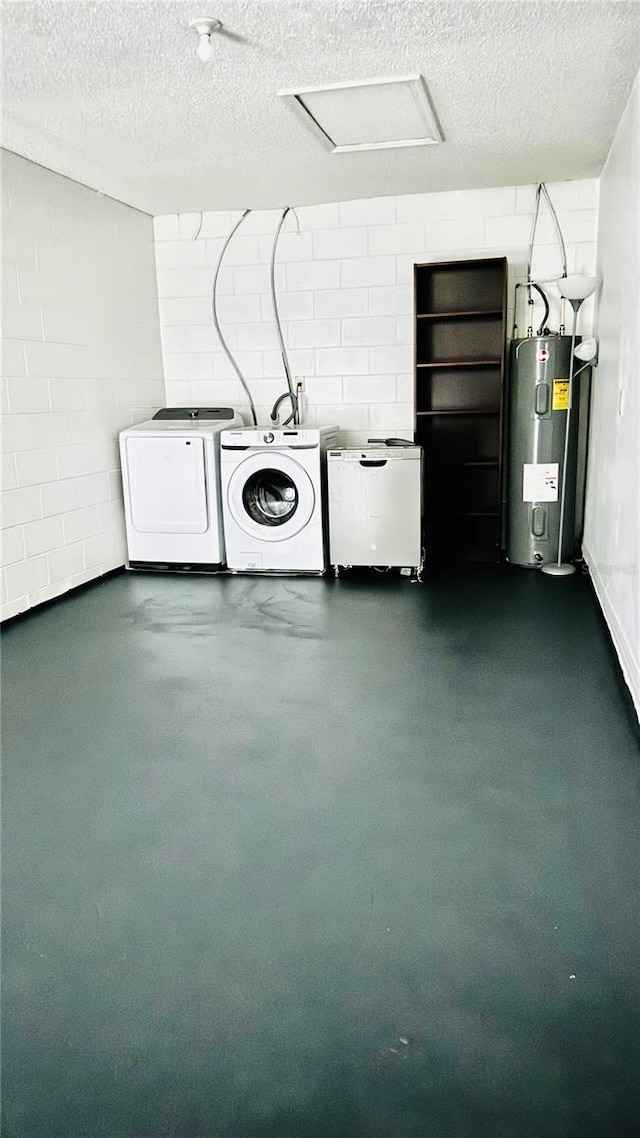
<point x="375" y="114"/>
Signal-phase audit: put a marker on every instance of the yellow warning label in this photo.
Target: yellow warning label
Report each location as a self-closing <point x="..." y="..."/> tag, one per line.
<point x="560" y="395"/>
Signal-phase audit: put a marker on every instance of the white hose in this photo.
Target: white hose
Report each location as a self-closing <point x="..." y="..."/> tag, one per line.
<point x="216" y="322"/>
<point x="283" y="351"/>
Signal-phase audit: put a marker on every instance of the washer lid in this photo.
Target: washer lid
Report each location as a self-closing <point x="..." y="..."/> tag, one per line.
<point x="270" y="497"/>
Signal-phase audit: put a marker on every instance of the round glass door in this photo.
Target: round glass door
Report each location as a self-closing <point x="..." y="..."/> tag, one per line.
<point x="270" y="497"/>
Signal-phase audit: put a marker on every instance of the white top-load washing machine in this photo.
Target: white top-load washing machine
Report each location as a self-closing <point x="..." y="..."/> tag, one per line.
<point x="273" y="498"/>
<point x="375" y="506"/>
<point x="171" y="485"/>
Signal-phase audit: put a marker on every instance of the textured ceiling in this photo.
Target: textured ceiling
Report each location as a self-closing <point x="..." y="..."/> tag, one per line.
<point x="111" y="93"/>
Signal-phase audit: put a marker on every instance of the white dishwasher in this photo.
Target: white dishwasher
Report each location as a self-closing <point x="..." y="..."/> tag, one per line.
<point x="375" y="507"/>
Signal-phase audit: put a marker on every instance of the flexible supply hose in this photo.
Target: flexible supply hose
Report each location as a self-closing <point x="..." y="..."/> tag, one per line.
<point x="542" y="330"/>
<point x="534" y="226"/>
<point x="216" y="322"/>
<point x="542" y="189"/>
<point x="276" y="408"/>
<point x="558" y="229"/>
<point x="543" y="322"/>
<point x="290" y="393"/>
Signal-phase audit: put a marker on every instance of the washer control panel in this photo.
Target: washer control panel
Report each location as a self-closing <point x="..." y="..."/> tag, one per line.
<point x="279" y="437"/>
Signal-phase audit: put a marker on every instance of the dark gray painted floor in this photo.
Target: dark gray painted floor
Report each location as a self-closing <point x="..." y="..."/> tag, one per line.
<point x="294" y="858"/>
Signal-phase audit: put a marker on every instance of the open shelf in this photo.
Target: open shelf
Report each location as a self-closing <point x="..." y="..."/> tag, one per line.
<point x="461" y="286"/>
<point x="460" y="328"/>
<point x="459" y="340"/>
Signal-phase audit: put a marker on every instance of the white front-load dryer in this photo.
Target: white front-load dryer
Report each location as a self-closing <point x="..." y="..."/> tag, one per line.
<point x="171" y="487"/>
<point x="273" y="498"/>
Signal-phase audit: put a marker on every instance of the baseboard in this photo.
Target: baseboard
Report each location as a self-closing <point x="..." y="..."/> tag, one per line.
<point x="629" y="666"/>
<point x="61" y="597"/>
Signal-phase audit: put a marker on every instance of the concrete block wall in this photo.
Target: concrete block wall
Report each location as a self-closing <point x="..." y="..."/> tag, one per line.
<point x="81" y="353"/>
<point x="81" y="360"/>
<point x="345" y="287"/>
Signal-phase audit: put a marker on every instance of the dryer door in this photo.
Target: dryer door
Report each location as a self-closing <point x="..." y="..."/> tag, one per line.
<point x="167" y="484"/>
<point x="270" y="496"/>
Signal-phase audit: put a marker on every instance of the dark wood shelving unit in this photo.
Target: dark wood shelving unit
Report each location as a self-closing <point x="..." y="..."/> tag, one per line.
<point x="460" y="312"/>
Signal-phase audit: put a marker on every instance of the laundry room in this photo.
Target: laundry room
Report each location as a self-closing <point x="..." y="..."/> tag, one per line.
<point x="320" y="568"/>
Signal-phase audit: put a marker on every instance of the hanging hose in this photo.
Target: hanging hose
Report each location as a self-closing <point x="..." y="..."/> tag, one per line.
<point x="564" y="251"/>
<point x="290" y="393"/>
<point x="530" y="253"/>
<point x="558" y="229"/>
<point x="542" y="330"/>
<point x="276" y="408"/>
<point x="216" y="322"/>
<point x="542" y="189"/>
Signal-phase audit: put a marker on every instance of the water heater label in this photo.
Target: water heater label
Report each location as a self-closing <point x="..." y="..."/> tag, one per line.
<point x="540" y="482"/>
<point x="560" y="395"/>
<point x="543" y="355"/>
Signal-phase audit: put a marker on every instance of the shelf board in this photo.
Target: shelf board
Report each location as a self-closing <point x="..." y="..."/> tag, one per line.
<point x="456" y="315"/>
<point x="450" y="411"/>
<point x="462" y="363"/>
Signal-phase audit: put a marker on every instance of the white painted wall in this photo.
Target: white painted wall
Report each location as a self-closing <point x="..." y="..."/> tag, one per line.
<point x="612" y="519"/>
<point x="345" y="288"/>
<point x="81" y="359"/>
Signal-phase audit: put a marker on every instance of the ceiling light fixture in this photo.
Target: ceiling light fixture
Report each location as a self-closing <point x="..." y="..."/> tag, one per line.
<point x="204" y="26"/>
